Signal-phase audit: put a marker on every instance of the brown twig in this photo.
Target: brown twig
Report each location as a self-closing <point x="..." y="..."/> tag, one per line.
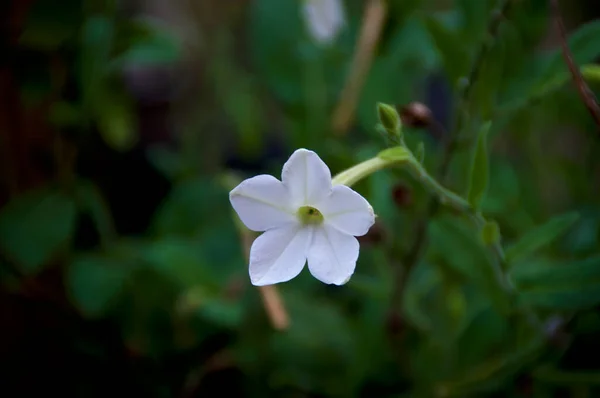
<point x="586" y="94"/>
<point x="274" y="307"/>
<point x="271" y="298"/>
<point x="220" y="360"/>
<point x="270" y="295"/>
<point x="373" y="19"/>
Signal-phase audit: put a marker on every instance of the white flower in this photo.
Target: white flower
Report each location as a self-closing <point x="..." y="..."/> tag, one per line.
<point x="304" y="218"/>
<point x="324" y="19"/>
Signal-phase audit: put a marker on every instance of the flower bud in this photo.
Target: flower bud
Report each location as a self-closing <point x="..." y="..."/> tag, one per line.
<point x="396" y="326"/>
<point x="416" y="114"/>
<point x="376" y="235"/>
<point x="490" y="233"/>
<point x="389" y="118"/>
<point x="402" y="195"/>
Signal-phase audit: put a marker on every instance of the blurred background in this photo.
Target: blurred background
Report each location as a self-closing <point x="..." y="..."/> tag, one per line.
<point x="124" y="124"/>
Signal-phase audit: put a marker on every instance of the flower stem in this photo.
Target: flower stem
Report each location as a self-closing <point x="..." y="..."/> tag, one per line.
<point x="401" y="156"/>
<point x="449" y="198"/>
<point x="356" y="173"/>
<point x="445" y="196"/>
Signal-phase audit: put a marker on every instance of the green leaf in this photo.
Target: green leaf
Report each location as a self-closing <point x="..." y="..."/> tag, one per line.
<point x="591" y="72"/>
<point x="564" y="285"/>
<point x="284" y="77"/>
<point x="490" y="233"/>
<point x="222" y="312"/>
<point x="117" y="120"/>
<point x="543" y="274"/>
<point x="422" y="279"/>
<point x="540" y="236"/>
<point x="462" y="250"/>
<point x="583" y="44"/>
<point x="420" y="152"/>
<point x="482" y="336"/>
<point x="237" y="93"/>
<point x="474" y="18"/>
<point x="411" y="50"/>
<point x="180" y="260"/>
<point x="569" y="298"/>
<point x="305" y="356"/>
<point x="479" y="173"/>
<point x="95" y="281"/>
<point x="503" y="195"/>
<point x="96" y="46"/>
<point x="168" y="162"/>
<point x="489" y="80"/>
<point x="584" y="238"/>
<point x="552" y="375"/>
<point x="151" y="44"/>
<point x="50" y="25"/>
<point x="63" y="113"/>
<point x="36" y="226"/>
<point x="193" y="206"/>
<point x="91" y="201"/>
<point x="493" y="370"/>
<point x="453" y="51"/>
<point x="547" y="72"/>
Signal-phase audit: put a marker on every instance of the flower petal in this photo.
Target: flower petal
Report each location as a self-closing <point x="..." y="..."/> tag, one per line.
<point x="262" y="203"/>
<point x="347" y="211"/>
<point x="307" y="178"/>
<point x="323" y="19"/>
<point x="279" y="254"/>
<point x="332" y="255"/>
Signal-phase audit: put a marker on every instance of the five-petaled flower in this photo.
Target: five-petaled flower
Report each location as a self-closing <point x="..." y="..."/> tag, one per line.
<point x="304" y="217"/>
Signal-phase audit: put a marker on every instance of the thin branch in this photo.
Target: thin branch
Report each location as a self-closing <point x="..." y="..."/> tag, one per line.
<point x="373" y="19"/>
<point x="497" y="16"/>
<point x="451" y="141"/>
<point x="450" y="144"/>
<point x="270" y="295"/>
<point x="586" y="94"/>
<point x="274" y="307"/>
<point x="272" y="300"/>
<point x="410" y="260"/>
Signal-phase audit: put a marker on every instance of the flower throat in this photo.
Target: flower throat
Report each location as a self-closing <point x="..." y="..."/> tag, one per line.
<point x="309" y="215"/>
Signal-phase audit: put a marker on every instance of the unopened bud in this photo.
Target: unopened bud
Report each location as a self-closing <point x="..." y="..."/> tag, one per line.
<point x="390" y="120"/>
<point x="396" y="326"/>
<point x="490" y="233"/>
<point x="416" y="114"/>
<point x="402" y="195"/>
<point x="375" y="235"/>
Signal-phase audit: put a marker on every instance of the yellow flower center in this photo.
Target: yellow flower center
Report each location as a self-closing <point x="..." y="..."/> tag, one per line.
<point x="308" y="215"/>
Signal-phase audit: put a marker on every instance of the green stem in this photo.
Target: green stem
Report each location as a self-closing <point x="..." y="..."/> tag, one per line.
<point x="400" y="156"/>
<point x="499" y="13"/>
<point x="445" y="196"/>
<point x="356" y="173"/>
<point x="449" y="198"/>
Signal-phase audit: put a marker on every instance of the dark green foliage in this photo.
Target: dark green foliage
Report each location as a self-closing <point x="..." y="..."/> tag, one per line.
<point x="172" y="311"/>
